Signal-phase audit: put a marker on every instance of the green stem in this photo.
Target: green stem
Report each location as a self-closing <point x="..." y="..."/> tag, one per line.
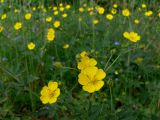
<point x="111" y="101"/>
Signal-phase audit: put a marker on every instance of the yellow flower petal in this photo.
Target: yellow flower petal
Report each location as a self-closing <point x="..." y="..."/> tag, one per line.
<point x="90" y="72"/>
<point x="98" y="85"/>
<point x="44" y="90"/>
<point x="52" y="100"/>
<point x="83" y="79"/>
<point x="126" y="34"/>
<point x="52" y="85"/>
<point x="100" y="74"/>
<point x="44" y="99"/>
<point x="89" y="88"/>
<point x="93" y="62"/>
<point x="57" y="92"/>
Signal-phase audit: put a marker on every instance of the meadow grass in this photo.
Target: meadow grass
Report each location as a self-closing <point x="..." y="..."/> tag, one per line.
<point x="131" y="86"/>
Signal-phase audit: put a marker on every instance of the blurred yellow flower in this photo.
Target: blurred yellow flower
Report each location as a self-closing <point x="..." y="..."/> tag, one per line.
<point x="55" y="12"/>
<point x="64" y="15"/>
<point x="126" y="12"/>
<point x="85" y="5"/>
<point x="136" y="21"/>
<point x="92" y="79"/>
<point x="68" y="7"/>
<point x="61" y="9"/>
<point x="91" y="13"/>
<point x="34" y="8"/>
<point x="61" y="4"/>
<point x="1" y="1"/>
<point x="143" y="5"/>
<point x="4" y="16"/>
<point x="31" y="46"/>
<point x="50" y="93"/>
<point x="148" y="13"/>
<point x="115" y="5"/>
<point x="56" y="24"/>
<point x="95" y="21"/>
<point x="28" y="16"/>
<point x="49" y="19"/>
<point x="86" y="62"/>
<point x="113" y="11"/>
<point x="100" y="10"/>
<point x="109" y="16"/>
<point x="17" y="25"/>
<point x="55" y="8"/>
<point x="65" y="46"/>
<point x="1" y="29"/>
<point x="51" y="34"/>
<point x="81" y="9"/>
<point x="83" y="54"/>
<point x="132" y="36"/>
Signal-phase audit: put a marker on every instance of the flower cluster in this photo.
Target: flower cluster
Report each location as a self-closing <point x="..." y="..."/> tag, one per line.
<point x="51" y="34"/>
<point x="90" y="77"/>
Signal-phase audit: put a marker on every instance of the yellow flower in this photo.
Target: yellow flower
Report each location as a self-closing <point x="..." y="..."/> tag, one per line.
<point x="109" y="16"/>
<point x="61" y="4"/>
<point x="143" y="5"/>
<point x="95" y="21"/>
<point x="28" y="16"/>
<point x="136" y="21"/>
<point x="91" y="13"/>
<point x="83" y="54"/>
<point x="34" y="8"/>
<point x="85" y="5"/>
<point x="68" y="7"/>
<point x="1" y="29"/>
<point x="100" y="10"/>
<point x="61" y="9"/>
<point x="55" y="12"/>
<point x="64" y="15"/>
<point x="65" y="46"/>
<point x="113" y="11"/>
<point x="81" y="9"/>
<point x="56" y="24"/>
<point x="132" y="36"/>
<point x="115" y="5"/>
<point x="1" y="1"/>
<point x="148" y="13"/>
<point x="92" y="79"/>
<point x="44" y="10"/>
<point x="48" y="19"/>
<point x="18" y="25"/>
<point x="55" y="8"/>
<point x="31" y="46"/>
<point x="126" y="12"/>
<point x="159" y="14"/>
<point x="4" y="16"/>
<point x="86" y="62"/>
<point x="51" y="34"/>
<point x="50" y="93"/>
<point x="90" y="9"/>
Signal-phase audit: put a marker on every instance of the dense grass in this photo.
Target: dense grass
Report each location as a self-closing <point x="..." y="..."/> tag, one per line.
<point x="131" y="90"/>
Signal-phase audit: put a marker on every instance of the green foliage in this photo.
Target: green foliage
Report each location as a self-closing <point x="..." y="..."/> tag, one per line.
<point x="131" y="90"/>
